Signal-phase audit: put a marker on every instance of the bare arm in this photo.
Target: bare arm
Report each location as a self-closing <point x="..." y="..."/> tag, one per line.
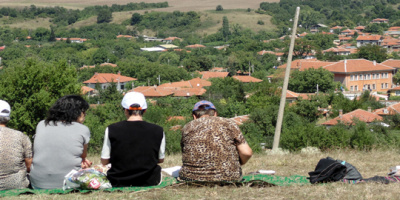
<point x="84" y="153"/>
<point x="85" y="162"/>
<point x="105" y="161"/>
<point x="28" y="163"/>
<point x="245" y="153"/>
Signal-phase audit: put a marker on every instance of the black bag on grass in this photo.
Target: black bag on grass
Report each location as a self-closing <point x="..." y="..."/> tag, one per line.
<point x="327" y="170"/>
<point x="352" y="173"/>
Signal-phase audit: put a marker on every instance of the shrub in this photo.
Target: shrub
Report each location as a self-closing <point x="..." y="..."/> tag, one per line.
<point x="219" y="8"/>
<point x="260" y="22"/>
<point x="172" y="141"/>
<point x="362" y="137"/>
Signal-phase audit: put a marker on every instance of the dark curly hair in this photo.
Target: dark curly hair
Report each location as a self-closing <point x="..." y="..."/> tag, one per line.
<point x="66" y="109"/>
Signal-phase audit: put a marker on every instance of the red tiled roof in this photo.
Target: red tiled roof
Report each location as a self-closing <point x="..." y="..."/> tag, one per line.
<point x="195" y="46"/>
<point x="392" y="63"/>
<point x="303" y="34"/>
<point x="390" y="110"/>
<point x="86" y="89"/>
<point x="394" y="28"/>
<point x="188" y="92"/>
<point x="346" y="31"/>
<point x="124" y="36"/>
<point x="207" y="75"/>
<point x="87" y="67"/>
<point x="341" y="50"/>
<point x="152" y="91"/>
<point x="395" y="89"/>
<point x="270" y="52"/>
<point x="326" y="33"/>
<point x="294" y="95"/>
<point x="108" y="78"/>
<point x="344" y="38"/>
<point x="356" y="65"/>
<point x="196" y="82"/>
<point x="182" y="50"/>
<point x="303" y="64"/>
<point x="369" y="37"/>
<point x="347" y="118"/>
<point x="217" y="69"/>
<point x="239" y="120"/>
<point x="2" y="48"/>
<point x="172" y="38"/>
<point x="247" y="79"/>
<point x="108" y="64"/>
<point x="360" y="28"/>
<point x="336" y="27"/>
<point x="379" y="19"/>
<point x="291" y="94"/>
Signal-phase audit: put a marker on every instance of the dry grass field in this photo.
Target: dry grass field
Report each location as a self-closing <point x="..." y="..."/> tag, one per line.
<point x="235" y="10"/>
<point x="375" y="162"/>
<point x="181" y="5"/>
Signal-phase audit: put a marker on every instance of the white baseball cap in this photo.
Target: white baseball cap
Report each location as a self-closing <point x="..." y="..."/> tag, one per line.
<point x="5" y="109"/>
<point x="134" y="98"/>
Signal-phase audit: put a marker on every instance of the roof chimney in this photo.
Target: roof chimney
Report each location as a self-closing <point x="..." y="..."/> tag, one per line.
<point x="345" y="65"/>
<point x="374" y="62"/>
<point x="340" y="113"/>
<point x="369" y="109"/>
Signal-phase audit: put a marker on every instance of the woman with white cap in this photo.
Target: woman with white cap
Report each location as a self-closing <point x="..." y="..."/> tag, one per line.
<point x="15" y="153"/>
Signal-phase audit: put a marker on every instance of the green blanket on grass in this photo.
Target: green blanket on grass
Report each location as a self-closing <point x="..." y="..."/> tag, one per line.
<point x="168" y="181"/>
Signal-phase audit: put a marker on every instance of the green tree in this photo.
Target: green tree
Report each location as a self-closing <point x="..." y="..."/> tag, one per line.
<point x="52" y="36"/>
<point x="219" y="8"/>
<point x="396" y="78"/>
<point x="225" y="28"/>
<point x="224" y="88"/>
<point x="32" y="87"/>
<point x="372" y="52"/>
<point x="308" y="80"/>
<point x="104" y="16"/>
<point x="136" y="18"/>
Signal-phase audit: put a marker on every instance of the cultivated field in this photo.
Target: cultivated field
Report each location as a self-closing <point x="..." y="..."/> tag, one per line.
<point x="376" y="162"/>
<point x="181" y="5"/>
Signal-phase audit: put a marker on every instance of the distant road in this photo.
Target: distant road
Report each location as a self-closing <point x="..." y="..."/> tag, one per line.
<point x="181" y="5"/>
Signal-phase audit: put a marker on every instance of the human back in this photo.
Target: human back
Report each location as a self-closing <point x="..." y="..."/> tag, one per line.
<point x="15" y="153"/>
<point x="133" y="147"/>
<point x="60" y="143"/>
<point x="135" y="153"/>
<point x="213" y="148"/>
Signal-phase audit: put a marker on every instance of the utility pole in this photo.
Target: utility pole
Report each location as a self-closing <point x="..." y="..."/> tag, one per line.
<point x="285" y="84"/>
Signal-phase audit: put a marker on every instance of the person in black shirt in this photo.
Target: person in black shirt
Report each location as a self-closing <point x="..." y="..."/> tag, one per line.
<point x="133" y="147"/>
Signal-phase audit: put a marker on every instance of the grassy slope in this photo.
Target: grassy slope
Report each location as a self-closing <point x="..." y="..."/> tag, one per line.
<point x="376" y="162"/>
<point x="236" y="14"/>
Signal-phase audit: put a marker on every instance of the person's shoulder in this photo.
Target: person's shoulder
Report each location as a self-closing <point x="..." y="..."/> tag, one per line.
<point x="153" y="125"/>
<point x="17" y="133"/>
<point x="221" y="119"/>
<point x="80" y="126"/>
<point x="117" y="123"/>
<point x="41" y="123"/>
